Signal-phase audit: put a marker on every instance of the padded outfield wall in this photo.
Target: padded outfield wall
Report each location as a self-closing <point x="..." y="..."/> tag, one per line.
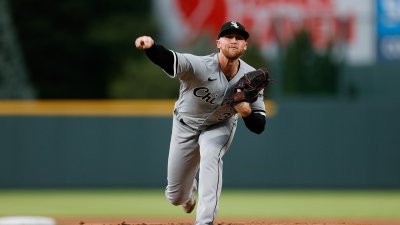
<point x="326" y="144"/>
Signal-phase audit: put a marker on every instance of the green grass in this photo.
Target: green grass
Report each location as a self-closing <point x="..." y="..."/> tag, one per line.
<point x="312" y="204"/>
<point x="234" y="203"/>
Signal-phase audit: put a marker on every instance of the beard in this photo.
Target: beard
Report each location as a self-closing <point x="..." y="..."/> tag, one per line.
<point x="232" y="53"/>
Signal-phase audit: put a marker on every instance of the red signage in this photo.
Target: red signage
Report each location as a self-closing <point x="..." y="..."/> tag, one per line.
<point x="269" y="21"/>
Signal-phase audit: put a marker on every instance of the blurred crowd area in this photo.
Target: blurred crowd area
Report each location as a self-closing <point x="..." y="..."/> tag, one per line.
<point x="85" y="49"/>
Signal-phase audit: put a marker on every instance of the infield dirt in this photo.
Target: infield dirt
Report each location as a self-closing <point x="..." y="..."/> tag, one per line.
<point x="222" y="221"/>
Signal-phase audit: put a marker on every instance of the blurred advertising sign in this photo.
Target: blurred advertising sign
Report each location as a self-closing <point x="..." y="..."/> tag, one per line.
<point x="388" y="29"/>
<point x="345" y="24"/>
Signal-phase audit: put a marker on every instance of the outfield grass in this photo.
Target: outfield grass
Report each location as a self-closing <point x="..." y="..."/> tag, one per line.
<point x="234" y="203"/>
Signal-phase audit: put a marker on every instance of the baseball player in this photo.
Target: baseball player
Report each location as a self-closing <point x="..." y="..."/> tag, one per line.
<point x="205" y="116"/>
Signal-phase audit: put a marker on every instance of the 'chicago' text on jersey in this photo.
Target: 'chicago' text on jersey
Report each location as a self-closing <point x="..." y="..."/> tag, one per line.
<point x="205" y="94"/>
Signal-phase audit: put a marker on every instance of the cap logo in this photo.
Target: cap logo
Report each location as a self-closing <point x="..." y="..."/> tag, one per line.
<point x="234" y="24"/>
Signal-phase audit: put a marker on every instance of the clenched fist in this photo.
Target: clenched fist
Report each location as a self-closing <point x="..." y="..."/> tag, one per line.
<point x="144" y="42"/>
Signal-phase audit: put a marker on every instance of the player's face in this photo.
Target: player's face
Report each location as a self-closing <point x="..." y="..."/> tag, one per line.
<point x="232" y="45"/>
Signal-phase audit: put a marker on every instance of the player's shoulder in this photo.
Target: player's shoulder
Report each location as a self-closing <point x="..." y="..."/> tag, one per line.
<point x="245" y="67"/>
<point x="203" y="58"/>
<point x="210" y="59"/>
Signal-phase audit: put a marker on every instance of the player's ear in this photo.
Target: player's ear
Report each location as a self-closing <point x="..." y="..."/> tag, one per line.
<point x="218" y="43"/>
<point x="218" y="46"/>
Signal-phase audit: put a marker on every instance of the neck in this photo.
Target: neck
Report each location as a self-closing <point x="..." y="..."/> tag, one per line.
<point x="228" y="66"/>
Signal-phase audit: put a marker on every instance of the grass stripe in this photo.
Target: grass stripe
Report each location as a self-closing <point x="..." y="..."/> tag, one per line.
<point x="234" y="203"/>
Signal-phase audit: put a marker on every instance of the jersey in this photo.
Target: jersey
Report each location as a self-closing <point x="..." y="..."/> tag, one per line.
<point x="203" y="128"/>
<point x="205" y="93"/>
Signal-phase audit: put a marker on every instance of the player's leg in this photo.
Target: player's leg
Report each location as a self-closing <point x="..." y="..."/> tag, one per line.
<point x="214" y="142"/>
<point x="183" y="163"/>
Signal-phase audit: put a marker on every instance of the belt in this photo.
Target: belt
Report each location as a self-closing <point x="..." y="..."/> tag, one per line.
<point x="178" y="117"/>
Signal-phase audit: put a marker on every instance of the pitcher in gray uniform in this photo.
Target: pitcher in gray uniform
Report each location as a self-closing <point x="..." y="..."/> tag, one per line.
<point x="204" y="120"/>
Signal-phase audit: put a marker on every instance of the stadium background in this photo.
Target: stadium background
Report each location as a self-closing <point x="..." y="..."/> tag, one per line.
<point x="79" y="109"/>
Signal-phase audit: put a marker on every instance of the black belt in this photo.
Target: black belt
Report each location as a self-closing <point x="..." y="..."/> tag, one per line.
<point x="183" y="122"/>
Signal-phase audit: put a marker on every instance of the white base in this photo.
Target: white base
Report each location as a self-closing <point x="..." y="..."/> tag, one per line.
<point x="26" y="220"/>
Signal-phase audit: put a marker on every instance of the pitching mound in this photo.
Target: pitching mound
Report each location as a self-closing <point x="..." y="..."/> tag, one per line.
<point x="258" y="223"/>
<point x="223" y="223"/>
<point x="180" y="221"/>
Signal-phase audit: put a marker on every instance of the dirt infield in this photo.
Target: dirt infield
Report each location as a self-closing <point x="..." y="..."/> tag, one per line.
<point x="222" y="221"/>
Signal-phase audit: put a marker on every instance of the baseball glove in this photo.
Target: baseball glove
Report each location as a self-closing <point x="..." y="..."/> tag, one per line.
<point x="248" y="87"/>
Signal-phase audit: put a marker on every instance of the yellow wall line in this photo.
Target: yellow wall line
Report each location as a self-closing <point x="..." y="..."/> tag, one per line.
<point x="94" y="107"/>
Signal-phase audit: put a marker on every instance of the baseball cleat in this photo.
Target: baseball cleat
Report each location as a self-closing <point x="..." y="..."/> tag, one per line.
<point x="189" y="205"/>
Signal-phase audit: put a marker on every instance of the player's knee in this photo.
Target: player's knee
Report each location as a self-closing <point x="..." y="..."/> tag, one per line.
<point x="210" y="159"/>
<point x="175" y="198"/>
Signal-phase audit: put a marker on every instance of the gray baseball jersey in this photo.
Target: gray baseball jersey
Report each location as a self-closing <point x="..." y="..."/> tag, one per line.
<point x="203" y="128"/>
<point x="205" y="93"/>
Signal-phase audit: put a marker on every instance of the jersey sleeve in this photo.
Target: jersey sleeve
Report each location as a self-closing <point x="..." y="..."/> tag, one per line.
<point x="258" y="106"/>
<point x="174" y="64"/>
<point x="186" y="64"/>
<point x="162" y="57"/>
<point x="255" y="122"/>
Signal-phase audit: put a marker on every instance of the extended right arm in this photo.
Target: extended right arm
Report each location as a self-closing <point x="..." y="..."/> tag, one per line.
<point x="158" y="54"/>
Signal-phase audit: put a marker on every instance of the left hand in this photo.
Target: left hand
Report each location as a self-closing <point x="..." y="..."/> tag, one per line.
<point x="243" y="109"/>
<point x="249" y="87"/>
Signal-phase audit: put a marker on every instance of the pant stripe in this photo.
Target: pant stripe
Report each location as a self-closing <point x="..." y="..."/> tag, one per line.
<point x="219" y="161"/>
